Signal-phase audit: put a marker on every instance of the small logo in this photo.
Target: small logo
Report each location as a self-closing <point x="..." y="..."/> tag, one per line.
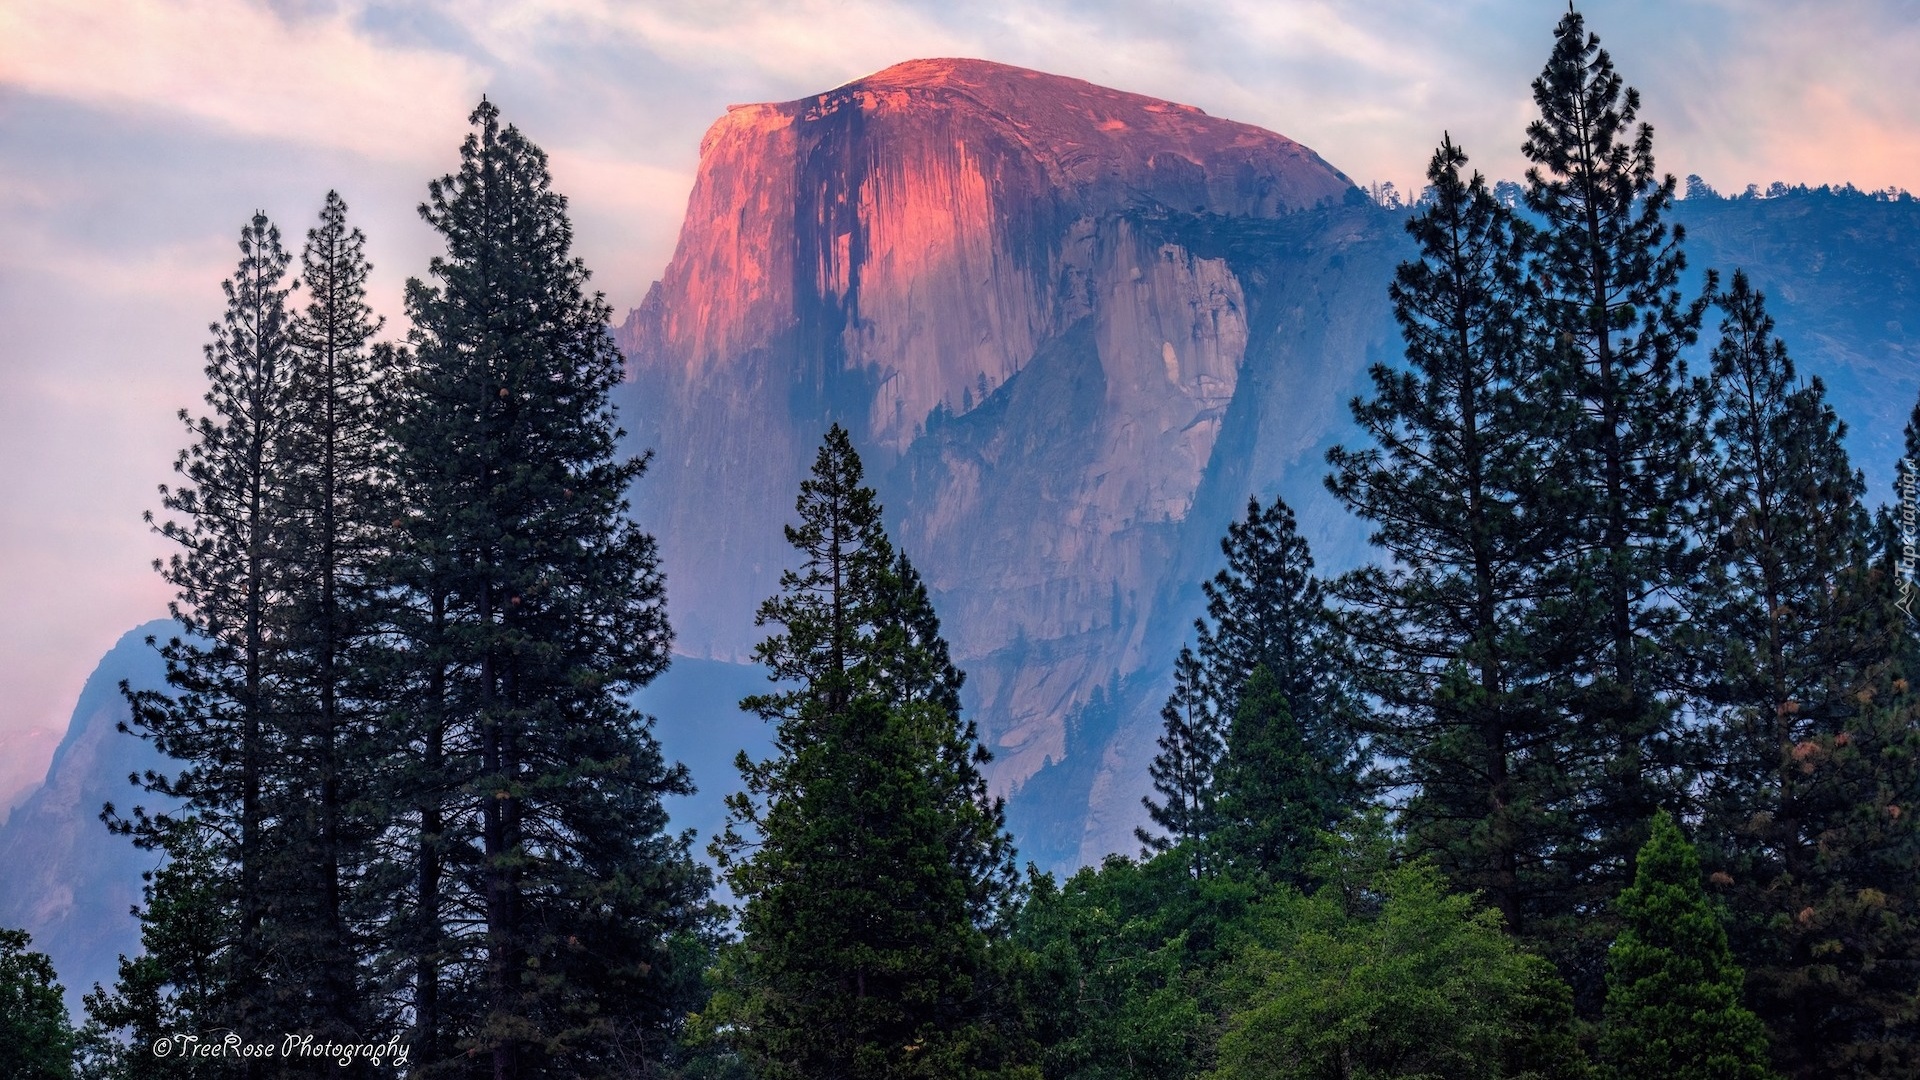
<point x="1909" y="488"/>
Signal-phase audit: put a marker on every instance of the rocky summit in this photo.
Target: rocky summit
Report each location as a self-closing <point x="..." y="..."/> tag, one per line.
<point x="1070" y="328"/>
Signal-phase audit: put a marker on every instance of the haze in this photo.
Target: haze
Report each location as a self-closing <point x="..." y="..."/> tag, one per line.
<point x="135" y="138"/>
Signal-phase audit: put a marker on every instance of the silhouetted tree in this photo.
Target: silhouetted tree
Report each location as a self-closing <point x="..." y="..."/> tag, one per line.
<point x="1457" y="484"/>
<point x="1628" y="451"/>
<point x="873" y="869"/>
<point x="1673" y="990"/>
<point x="546" y="892"/>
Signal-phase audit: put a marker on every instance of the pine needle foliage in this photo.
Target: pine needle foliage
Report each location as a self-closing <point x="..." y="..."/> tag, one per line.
<point x="873" y="869"/>
<point x="1457" y="483"/>
<point x="539" y="880"/>
<point x="1266" y="611"/>
<point x="1629" y="447"/>
<point x="1673" y="990"/>
<point x="223" y="719"/>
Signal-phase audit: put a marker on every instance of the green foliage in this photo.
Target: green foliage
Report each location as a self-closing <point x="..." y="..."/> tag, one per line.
<point x="537" y="890"/>
<point x="1449" y="628"/>
<point x="1119" y="964"/>
<point x="1267" y="609"/>
<point x="1267" y="612"/>
<point x="1628" y="450"/>
<point x="873" y="869"/>
<point x="1190" y="746"/>
<point x="1673" y="990"/>
<point x="1390" y="976"/>
<point x="1811" y="745"/>
<point x="36" y="1043"/>
<point x="182" y="981"/>
<point x="1276" y="792"/>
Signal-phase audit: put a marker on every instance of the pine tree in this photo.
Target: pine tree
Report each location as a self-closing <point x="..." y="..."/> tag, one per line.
<point x="223" y="718"/>
<point x="332" y="505"/>
<point x="873" y="869"/>
<point x="1269" y="615"/>
<point x="1183" y="770"/>
<point x="544" y="891"/>
<point x="1818" y="745"/>
<point x="36" y="1042"/>
<point x="179" y="984"/>
<point x="1456" y="484"/>
<point x="1673" y="990"/>
<point x="1277" y="792"/>
<point x="1607" y="268"/>
<point x="1802" y="635"/>
<point x="1267" y="609"/>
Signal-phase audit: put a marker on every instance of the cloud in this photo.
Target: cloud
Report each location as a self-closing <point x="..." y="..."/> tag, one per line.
<point x="136" y="136"/>
<point x="310" y="78"/>
<point x="1807" y="94"/>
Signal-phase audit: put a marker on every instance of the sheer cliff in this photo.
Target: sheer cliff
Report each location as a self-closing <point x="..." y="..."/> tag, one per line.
<point x="1043" y="307"/>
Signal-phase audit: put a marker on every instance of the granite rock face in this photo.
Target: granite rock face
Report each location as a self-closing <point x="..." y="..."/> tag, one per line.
<point x="70" y="883"/>
<point x="1042" y="307"/>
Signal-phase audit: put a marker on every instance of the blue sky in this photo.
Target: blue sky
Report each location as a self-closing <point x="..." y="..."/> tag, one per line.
<point x="136" y="136"/>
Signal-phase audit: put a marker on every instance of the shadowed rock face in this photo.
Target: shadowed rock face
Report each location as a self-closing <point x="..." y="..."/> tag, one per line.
<point x="1035" y="302"/>
<point x="68" y="882"/>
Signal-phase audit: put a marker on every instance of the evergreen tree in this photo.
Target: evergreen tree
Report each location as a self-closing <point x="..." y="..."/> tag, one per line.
<point x="179" y="984"/>
<point x="1277" y="794"/>
<point x="223" y="718"/>
<point x="334" y="508"/>
<point x="1628" y="444"/>
<point x="36" y="1042"/>
<point x="1803" y="639"/>
<point x="1183" y="770"/>
<point x="1267" y="610"/>
<point x="873" y="869"/>
<point x="1457" y="484"/>
<point x="543" y="893"/>
<point x="1673" y="990"/>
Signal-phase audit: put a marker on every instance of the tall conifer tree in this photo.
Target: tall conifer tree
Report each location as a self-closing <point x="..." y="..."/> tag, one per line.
<point x="1607" y="267"/>
<point x="1673" y="989"/>
<point x="1811" y="744"/>
<point x="333" y="504"/>
<point x="1266" y="611"/>
<point x="872" y="865"/>
<point x="536" y="607"/>
<point x="1277" y="791"/>
<point x="1456" y="484"/>
<point x="223" y="718"/>
<point x="1190" y="746"/>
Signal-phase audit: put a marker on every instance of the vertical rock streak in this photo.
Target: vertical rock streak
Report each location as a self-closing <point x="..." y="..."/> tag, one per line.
<point x="902" y="254"/>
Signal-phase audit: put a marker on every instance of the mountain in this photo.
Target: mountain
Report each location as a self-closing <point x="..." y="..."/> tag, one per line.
<point x="1073" y="329"/>
<point x="68" y="882"/>
<point x="1069" y="327"/>
<point x="1841" y="270"/>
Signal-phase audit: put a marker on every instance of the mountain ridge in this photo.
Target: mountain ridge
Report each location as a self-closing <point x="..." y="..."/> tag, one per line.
<point x="899" y="252"/>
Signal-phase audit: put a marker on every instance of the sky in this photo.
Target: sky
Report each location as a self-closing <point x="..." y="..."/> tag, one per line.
<point x="137" y="136"/>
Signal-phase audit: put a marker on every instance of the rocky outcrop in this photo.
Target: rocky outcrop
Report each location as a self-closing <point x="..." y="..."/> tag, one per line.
<point x="69" y="882"/>
<point x="1037" y="303"/>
